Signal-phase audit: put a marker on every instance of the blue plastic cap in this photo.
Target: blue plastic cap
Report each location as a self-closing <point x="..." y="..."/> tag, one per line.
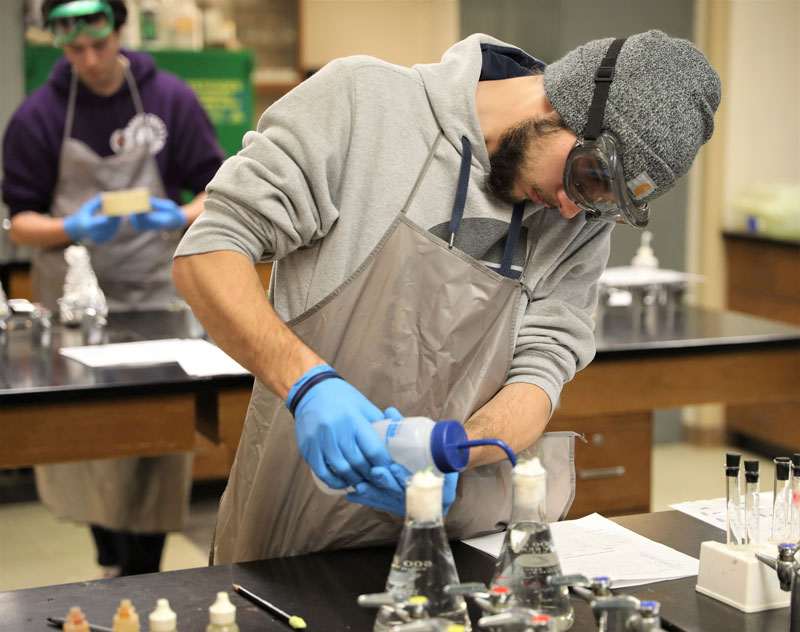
<point x="445" y="437"/>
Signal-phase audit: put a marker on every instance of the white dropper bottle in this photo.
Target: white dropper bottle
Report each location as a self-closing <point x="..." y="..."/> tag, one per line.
<point x="644" y="257"/>
<point x="163" y="618"/>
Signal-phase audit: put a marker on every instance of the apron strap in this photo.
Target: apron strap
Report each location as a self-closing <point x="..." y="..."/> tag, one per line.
<point x="73" y="89"/>
<point x="461" y="189"/>
<point x="511" y="241"/>
<point x="126" y="69"/>
<point x="422" y="172"/>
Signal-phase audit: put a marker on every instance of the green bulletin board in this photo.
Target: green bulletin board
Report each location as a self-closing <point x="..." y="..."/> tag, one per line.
<point x="222" y="80"/>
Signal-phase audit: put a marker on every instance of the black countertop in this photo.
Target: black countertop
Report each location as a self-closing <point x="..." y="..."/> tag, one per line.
<point x="32" y="374"/>
<point x="323" y="587"/>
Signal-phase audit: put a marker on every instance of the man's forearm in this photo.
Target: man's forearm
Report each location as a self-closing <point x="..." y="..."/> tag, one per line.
<point x="30" y="228"/>
<point x="194" y="208"/>
<point x="225" y="293"/>
<point x="517" y="415"/>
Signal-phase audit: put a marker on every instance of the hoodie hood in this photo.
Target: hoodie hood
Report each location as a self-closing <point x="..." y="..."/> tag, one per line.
<point x="142" y="66"/>
<point x="451" y="85"/>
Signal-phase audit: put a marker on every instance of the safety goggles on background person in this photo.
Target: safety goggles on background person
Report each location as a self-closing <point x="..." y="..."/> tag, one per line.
<point x="593" y="175"/>
<point x="93" y="17"/>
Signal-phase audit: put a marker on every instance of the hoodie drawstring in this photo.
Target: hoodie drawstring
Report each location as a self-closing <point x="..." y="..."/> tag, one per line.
<point x="460" y="203"/>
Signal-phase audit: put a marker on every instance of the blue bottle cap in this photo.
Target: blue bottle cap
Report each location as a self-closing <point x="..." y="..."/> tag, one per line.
<point x="445" y="437"/>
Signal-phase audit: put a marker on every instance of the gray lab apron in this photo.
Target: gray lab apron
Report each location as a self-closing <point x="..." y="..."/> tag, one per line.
<point x="418" y="326"/>
<point x="141" y="495"/>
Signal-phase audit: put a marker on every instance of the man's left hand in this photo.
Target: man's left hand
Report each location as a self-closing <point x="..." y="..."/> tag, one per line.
<point x="166" y="215"/>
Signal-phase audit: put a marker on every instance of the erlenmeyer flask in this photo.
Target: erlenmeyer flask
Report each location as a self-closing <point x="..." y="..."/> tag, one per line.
<point x="423" y="562"/>
<point x="528" y="555"/>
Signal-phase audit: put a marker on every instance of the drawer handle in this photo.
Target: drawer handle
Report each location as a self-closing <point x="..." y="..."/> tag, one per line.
<point x="602" y="472"/>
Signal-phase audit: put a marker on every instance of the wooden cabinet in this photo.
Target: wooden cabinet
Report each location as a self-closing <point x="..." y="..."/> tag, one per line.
<point x="763" y="278"/>
<point x="612" y="467"/>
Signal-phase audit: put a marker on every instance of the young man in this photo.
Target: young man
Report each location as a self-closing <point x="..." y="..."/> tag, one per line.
<point x="438" y="233"/>
<point x="105" y="120"/>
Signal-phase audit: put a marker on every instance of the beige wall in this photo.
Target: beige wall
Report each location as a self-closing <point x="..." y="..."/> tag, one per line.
<point x="763" y="94"/>
<point x="403" y="32"/>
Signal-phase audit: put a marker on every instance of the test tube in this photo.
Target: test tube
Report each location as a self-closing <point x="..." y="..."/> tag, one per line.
<point x="794" y="509"/>
<point x="780" y="500"/>
<point x="751" y="502"/>
<point x="733" y="498"/>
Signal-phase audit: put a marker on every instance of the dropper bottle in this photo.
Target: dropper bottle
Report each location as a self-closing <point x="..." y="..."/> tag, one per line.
<point x="733" y="498"/>
<point x="751" y="503"/>
<point x="163" y="618"/>
<point x="780" y="500"/>
<point x="794" y="511"/>
<point x="126" y="619"/>
<point x="423" y="562"/>
<point x="222" y="615"/>
<point x="75" y="621"/>
<point x="528" y="554"/>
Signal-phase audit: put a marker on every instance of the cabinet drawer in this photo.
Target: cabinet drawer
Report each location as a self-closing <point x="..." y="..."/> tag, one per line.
<point x="613" y="468"/>
<point x="776" y="424"/>
<point x="762" y="267"/>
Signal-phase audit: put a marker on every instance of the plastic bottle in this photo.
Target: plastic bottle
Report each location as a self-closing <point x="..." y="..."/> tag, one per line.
<point x="644" y="257"/>
<point x="418" y="443"/>
<point x="163" y="618"/>
<point x="75" y="621"/>
<point x="126" y="619"/>
<point x="222" y="615"/>
<point x="423" y="562"/>
<point x="186" y="25"/>
<point x="528" y="553"/>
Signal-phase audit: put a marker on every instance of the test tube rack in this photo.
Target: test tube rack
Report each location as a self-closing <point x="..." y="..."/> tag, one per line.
<point x="735" y="576"/>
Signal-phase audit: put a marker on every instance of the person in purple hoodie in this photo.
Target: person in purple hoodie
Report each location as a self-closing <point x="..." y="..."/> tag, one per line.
<point x="107" y="119"/>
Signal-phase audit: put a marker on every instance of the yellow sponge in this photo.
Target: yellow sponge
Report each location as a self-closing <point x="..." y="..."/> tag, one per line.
<point x="126" y="202"/>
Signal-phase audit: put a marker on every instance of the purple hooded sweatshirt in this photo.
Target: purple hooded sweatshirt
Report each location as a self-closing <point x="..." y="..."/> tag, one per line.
<point x="190" y="155"/>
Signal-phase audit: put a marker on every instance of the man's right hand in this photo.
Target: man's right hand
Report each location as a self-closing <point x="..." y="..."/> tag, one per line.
<point x="333" y="428"/>
<point x="86" y="223"/>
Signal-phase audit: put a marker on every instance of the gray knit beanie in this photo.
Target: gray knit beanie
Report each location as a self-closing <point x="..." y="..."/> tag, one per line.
<point x="661" y="104"/>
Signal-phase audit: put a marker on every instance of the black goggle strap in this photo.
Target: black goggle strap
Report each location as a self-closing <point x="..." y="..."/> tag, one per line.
<point x="602" y="84"/>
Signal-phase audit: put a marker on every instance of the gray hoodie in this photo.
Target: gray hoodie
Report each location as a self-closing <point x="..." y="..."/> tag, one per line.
<point x="332" y="163"/>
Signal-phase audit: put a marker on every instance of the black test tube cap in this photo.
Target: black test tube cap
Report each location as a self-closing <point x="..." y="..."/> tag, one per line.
<point x="782" y="468"/>
<point x="732" y="460"/>
<point x="796" y="463"/>
<point x="751" y="471"/>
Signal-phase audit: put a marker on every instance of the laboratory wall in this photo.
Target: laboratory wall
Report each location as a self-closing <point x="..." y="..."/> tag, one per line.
<point x="404" y="32"/>
<point x="763" y="95"/>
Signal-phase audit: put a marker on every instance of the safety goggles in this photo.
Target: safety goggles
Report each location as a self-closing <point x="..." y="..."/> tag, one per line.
<point x="594" y="178"/>
<point x="93" y="17"/>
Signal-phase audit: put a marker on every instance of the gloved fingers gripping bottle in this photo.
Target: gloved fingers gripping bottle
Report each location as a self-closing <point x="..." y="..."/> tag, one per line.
<point x="419" y="443"/>
<point x="528" y="555"/>
<point x="423" y="562"/>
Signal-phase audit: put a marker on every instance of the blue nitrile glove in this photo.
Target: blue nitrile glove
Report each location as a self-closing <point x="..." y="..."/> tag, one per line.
<point x="388" y="499"/>
<point x="85" y="223"/>
<point x="166" y="215"/>
<point x="332" y="425"/>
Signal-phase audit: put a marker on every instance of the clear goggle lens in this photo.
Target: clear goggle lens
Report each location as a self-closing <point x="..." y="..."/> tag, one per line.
<point x="67" y="29"/>
<point x="590" y="181"/>
<point x="594" y="181"/>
